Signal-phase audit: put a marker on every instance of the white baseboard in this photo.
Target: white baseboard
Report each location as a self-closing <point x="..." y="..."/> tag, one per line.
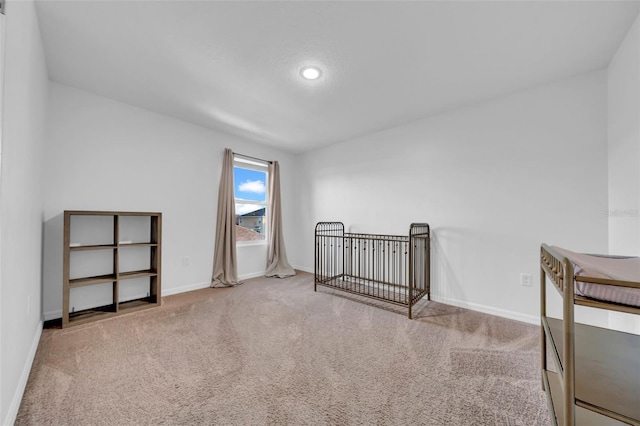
<point x="200" y="286"/>
<point x="51" y="315"/>
<point x="165" y="292"/>
<point x="531" y="319"/>
<point x="303" y="269"/>
<point x="12" y="413"/>
<point x="185" y="288"/>
<point x="251" y="275"/>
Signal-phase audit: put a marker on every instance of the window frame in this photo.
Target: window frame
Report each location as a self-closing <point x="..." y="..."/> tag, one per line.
<point x="255" y="165"/>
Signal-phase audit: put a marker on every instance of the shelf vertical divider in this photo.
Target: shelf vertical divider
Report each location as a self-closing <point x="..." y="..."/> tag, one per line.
<point x="156" y="256"/>
<point x="66" y="254"/>
<point x="116" y="262"/>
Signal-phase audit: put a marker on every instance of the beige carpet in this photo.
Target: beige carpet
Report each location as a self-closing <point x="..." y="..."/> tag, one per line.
<point x="272" y="351"/>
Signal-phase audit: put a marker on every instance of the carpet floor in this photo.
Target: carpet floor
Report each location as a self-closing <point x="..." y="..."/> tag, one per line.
<point x="274" y="352"/>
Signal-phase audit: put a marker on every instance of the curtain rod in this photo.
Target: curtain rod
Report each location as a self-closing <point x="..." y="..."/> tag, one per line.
<point x="248" y="157"/>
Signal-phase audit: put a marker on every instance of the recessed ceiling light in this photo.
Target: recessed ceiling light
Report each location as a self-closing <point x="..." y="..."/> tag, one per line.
<point x="310" y="73"/>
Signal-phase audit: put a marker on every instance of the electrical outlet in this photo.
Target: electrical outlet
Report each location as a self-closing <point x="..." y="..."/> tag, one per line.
<point x="526" y="280"/>
<point x="185" y="260"/>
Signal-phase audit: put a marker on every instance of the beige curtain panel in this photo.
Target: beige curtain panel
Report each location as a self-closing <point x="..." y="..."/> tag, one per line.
<point x="277" y="264"/>
<point x="225" y="265"/>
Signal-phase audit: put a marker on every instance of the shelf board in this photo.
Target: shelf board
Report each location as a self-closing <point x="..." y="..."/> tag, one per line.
<point x="92" y="314"/>
<point x="137" y="274"/>
<point x="586" y="301"/>
<point x="137" y="244"/>
<point x="136" y="305"/>
<point x="99" y="279"/>
<point x="151" y="214"/>
<point x="93" y="247"/>
<point x="110" y="246"/>
<point x="109" y="213"/>
<point x="584" y="417"/>
<point x="607" y="368"/>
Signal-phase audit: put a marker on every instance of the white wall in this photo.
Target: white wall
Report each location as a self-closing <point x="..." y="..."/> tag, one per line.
<point x="624" y="145"/>
<point x="494" y="181"/>
<point x="623" y="78"/>
<point x="25" y="99"/>
<point x="106" y="155"/>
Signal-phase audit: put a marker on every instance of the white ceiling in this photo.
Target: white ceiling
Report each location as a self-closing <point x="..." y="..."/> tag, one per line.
<point x="234" y="66"/>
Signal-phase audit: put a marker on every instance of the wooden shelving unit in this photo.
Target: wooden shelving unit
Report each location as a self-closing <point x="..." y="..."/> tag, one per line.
<point x="593" y="374"/>
<point x="117" y="277"/>
<point x="606" y="379"/>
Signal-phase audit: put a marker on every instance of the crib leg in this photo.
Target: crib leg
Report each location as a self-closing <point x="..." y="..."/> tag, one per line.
<point x="409" y="314"/>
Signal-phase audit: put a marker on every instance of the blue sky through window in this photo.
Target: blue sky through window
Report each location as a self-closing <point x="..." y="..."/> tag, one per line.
<point x="250" y="192"/>
<point x="250" y="184"/>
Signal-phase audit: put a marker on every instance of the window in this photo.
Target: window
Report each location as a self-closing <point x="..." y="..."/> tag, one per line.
<point x="250" y="191"/>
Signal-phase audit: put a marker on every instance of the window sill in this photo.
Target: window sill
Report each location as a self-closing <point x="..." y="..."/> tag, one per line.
<point x="251" y="243"/>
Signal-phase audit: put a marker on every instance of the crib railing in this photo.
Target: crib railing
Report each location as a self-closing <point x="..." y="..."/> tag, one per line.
<point x="419" y="263"/>
<point x="329" y="244"/>
<point x="392" y="268"/>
